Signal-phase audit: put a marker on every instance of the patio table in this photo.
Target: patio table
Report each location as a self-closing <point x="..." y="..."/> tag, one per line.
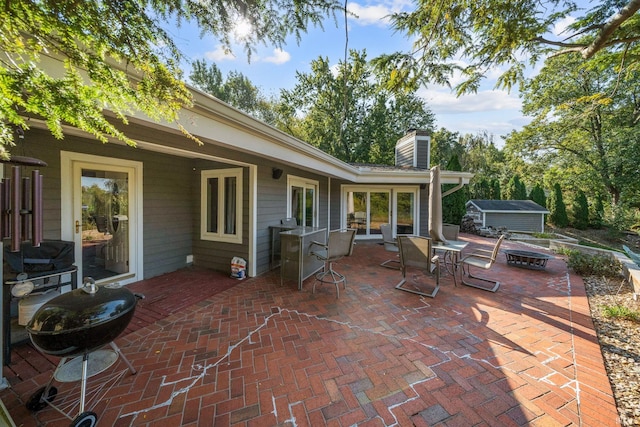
<point x="452" y="250"/>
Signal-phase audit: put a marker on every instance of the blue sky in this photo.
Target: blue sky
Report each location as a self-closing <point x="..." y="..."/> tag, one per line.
<point x="494" y="111"/>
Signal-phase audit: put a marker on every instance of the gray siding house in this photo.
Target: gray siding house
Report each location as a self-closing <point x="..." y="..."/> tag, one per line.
<point x="515" y="215"/>
<point x="169" y="202"/>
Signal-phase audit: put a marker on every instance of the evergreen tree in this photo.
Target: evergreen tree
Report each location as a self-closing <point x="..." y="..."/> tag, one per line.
<point x="516" y="189"/>
<point x="558" y="215"/>
<point x="454" y="205"/>
<point x="496" y="193"/>
<point x="580" y="211"/>
<point x="481" y="189"/>
<point x="538" y="196"/>
<point x="513" y="188"/>
<point x="521" y="191"/>
<point x="597" y="218"/>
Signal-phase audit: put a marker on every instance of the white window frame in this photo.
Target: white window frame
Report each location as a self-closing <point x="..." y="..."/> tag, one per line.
<point x="295" y="181"/>
<point x="221" y="174"/>
<point x="393" y="200"/>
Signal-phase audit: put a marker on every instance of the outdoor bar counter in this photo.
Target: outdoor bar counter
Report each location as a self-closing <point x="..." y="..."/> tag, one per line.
<point x="296" y="263"/>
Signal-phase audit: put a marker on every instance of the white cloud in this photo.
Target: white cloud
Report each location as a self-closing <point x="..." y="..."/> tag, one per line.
<point x="446" y="102"/>
<point x="377" y="13"/>
<point x="498" y="128"/>
<point x="369" y="15"/>
<point x="493" y="111"/>
<point x="279" y="56"/>
<point x="219" y="54"/>
<point x="560" y="28"/>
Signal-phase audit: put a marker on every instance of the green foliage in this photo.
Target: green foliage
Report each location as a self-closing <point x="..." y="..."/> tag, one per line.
<point x="538" y="196"/>
<point x="469" y="39"/>
<point x="102" y="44"/>
<point x="558" y="211"/>
<point x="481" y="189"/>
<point x="495" y="190"/>
<point x="584" y="133"/>
<point x="621" y="312"/>
<point x="444" y="144"/>
<point x="580" y="211"/>
<point x="597" y="216"/>
<point x="349" y="115"/>
<point x="236" y="90"/>
<point x="515" y="190"/>
<point x="543" y="235"/>
<point x="454" y="205"/>
<point x="619" y="218"/>
<point x="594" y="265"/>
<point x="478" y="154"/>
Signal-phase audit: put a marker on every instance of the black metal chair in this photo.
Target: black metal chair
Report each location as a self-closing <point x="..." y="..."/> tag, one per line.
<point x="417" y="261"/>
<point x="390" y="245"/>
<point x="481" y="258"/>
<point x="340" y="244"/>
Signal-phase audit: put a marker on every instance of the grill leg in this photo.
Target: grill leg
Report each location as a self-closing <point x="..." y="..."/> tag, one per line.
<point x="83" y="381"/>
<point x="121" y="354"/>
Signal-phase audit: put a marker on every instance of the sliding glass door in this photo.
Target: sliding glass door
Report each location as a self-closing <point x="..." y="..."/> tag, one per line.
<point x="367" y="208"/>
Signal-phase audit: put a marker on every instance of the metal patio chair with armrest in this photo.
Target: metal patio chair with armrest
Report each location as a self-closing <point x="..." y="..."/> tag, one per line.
<point x="416" y="259"/>
<point x="339" y="245"/>
<point x="390" y="245"/>
<point x="481" y="258"/>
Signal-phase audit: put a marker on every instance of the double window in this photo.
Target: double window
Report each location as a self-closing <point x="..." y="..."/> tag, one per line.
<point x="221" y="205"/>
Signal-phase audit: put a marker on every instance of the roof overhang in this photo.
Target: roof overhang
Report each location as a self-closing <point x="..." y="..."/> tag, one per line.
<point x="515" y="211"/>
<point x="213" y="121"/>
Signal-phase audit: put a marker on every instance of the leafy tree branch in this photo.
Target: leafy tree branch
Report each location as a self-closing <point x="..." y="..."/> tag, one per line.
<point x="116" y="56"/>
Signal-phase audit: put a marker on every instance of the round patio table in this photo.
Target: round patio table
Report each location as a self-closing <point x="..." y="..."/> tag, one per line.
<point x="527" y="259"/>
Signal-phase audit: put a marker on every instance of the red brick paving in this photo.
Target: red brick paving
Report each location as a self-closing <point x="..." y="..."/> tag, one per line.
<point x="265" y="354"/>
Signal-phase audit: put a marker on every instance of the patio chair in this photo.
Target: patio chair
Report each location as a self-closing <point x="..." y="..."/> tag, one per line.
<point x="340" y="244"/>
<point x="481" y="258"/>
<point x="416" y="262"/>
<point x="391" y="245"/>
<point x="360" y="219"/>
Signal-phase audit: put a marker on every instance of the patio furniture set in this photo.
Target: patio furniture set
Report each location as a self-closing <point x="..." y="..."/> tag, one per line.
<point x="308" y="251"/>
<point x="422" y="253"/>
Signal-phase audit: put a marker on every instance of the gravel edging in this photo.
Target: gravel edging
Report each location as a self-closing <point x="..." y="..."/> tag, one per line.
<point x="619" y="342"/>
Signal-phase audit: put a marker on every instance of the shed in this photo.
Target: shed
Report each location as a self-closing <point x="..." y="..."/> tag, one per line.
<point x="515" y="215"/>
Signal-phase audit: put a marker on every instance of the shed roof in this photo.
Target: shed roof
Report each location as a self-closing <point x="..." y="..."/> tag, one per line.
<point x="514" y="206"/>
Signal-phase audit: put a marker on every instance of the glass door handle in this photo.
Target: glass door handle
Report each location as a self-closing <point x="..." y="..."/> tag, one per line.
<point x="77" y="226"/>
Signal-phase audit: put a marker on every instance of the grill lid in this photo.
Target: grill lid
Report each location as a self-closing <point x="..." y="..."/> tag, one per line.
<point x="79" y="310"/>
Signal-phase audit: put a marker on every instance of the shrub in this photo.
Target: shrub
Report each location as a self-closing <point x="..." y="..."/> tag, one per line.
<point x="621" y="312"/>
<point x="556" y="206"/>
<point x="543" y="235"/>
<point x="580" y="211"/>
<point x="594" y="265"/>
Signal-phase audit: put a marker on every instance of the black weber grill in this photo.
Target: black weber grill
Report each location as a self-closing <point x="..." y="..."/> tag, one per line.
<point x="75" y="326"/>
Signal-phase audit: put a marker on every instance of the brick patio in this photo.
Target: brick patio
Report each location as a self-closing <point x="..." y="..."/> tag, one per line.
<point x="264" y="354"/>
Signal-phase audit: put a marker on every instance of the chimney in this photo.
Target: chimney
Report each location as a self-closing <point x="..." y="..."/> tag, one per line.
<point x="413" y="149"/>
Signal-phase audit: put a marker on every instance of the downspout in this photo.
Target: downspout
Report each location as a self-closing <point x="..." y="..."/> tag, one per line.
<point x="454" y="189"/>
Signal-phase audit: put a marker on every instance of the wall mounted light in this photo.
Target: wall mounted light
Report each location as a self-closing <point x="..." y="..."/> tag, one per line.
<point x="276" y="173"/>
